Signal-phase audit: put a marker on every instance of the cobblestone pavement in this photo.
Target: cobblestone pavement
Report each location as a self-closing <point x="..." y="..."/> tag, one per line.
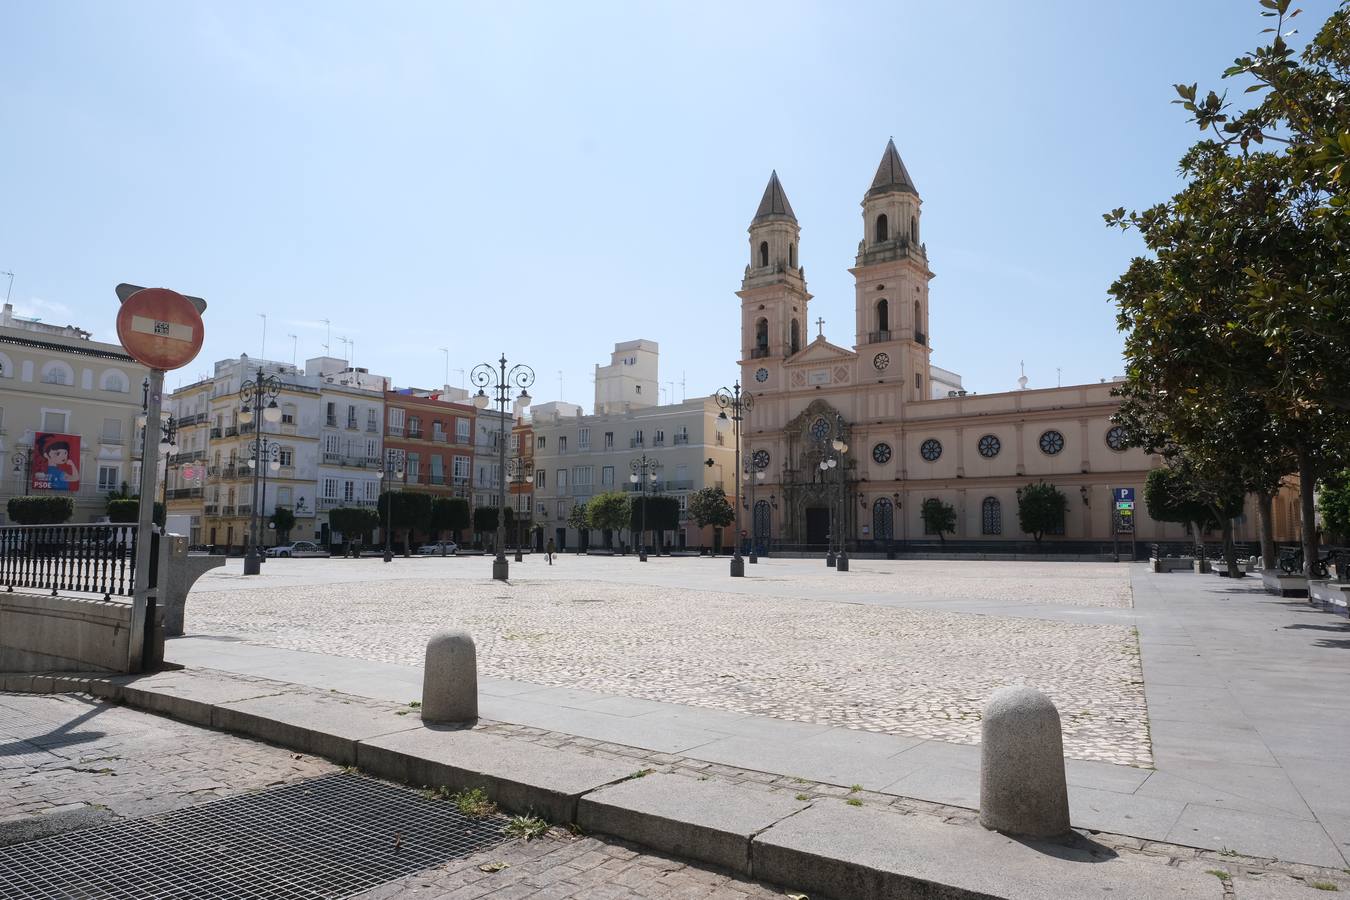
<point x="69" y="762"/>
<point x="878" y="668"/>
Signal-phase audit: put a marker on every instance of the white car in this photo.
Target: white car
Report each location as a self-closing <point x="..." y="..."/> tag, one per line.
<point x="299" y="548"/>
<point x="449" y="548"/>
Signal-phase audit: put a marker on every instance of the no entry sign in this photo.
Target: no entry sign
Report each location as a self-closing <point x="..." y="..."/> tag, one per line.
<point x="160" y="328"/>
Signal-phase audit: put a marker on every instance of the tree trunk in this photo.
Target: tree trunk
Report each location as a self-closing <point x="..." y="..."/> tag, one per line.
<point x="1265" y="510"/>
<point x="1307" y="484"/>
<point x="1230" y="549"/>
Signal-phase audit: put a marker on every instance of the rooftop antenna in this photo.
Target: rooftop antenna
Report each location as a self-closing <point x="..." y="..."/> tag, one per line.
<point x="446" y="351"/>
<point x="9" y="289"/>
<point x="670" y="394"/>
<point x="684" y="388"/>
<point x="560" y="384"/>
<point x="347" y="345"/>
<point x="294" y="342"/>
<point x="1059" y="377"/>
<point x="263" y="316"/>
<point x="328" y="341"/>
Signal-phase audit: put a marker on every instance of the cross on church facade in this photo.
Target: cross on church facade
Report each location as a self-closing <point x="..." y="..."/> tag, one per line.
<point x="820" y="324"/>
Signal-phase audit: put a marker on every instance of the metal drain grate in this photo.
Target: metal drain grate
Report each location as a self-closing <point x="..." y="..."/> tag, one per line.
<point x="328" y="837"/>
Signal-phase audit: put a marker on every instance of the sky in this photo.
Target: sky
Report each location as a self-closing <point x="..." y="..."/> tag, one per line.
<point x="542" y="180"/>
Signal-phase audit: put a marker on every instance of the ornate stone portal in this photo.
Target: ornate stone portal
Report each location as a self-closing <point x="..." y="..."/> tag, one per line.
<point x="811" y="495"/>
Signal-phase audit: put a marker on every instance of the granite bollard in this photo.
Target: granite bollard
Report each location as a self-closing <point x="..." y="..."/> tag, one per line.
<point x="450" y="679"/>
<point x="1022" y="785"/>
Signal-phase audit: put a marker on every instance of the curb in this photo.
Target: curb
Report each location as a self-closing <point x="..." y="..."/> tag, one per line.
<point x="824" y="848"/>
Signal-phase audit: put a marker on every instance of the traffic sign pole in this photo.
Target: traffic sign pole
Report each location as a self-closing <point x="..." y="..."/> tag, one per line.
<point x="140" y="597"/>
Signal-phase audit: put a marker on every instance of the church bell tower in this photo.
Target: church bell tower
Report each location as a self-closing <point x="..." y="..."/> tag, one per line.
<point x="773" y="292"/>
<point x="891" y="278"/>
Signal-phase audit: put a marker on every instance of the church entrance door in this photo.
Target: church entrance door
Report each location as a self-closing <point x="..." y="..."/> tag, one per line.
<point x="817" y="525"/>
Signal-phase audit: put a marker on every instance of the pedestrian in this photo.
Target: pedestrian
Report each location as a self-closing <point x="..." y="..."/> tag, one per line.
<point x="550" y="550"/>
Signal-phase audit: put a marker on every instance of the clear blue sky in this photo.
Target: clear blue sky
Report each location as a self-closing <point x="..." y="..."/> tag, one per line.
<point x="546" y="179"/>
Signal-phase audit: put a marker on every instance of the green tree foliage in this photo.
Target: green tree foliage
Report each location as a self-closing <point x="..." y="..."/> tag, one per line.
<point x="485" y="519"/>
<point x="608" y="513"/>
<point x="127" y="509"/>
<point x="283" y="520"/>
<point x="662" y="515"/>
<point x="1238" y="325"/>
<point x="406" y="511"/>
<point x="1334" y="500"/>
<point x="41" y="509"/>
<point x="1041" y="508"/>
<point x="578" y="517"/>
<point x="938" y="518"/>
<point x="354" y="522"/>
<point x="710" y="506"/>
<point x="450" y="514"/>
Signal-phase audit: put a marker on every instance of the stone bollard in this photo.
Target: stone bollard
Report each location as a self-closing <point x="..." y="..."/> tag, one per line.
<point x="1022" y="786"/>
<point x="450" y="680"/>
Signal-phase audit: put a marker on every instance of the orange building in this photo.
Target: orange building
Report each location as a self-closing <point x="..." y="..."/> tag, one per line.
<point x="430" y="441"/>
<point x="520" y="471"/>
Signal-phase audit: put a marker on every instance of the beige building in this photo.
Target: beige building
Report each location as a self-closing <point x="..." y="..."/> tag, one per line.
<point x="911" y="431"/>
<point x="59" y="388"/>
<point x="578" y="456"/>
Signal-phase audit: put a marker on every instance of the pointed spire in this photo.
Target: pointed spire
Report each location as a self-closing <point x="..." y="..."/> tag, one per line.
<point x="891" y="174"/>
<point x="775" y="203"/>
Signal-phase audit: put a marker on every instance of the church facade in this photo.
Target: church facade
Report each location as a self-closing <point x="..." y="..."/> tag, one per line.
<point x="974" y="452"/>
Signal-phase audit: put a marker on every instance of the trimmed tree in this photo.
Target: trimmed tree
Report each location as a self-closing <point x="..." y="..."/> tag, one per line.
<point x="579" y="518"/>
<point x="449" y="514"/>
<point x="710" y="506"/>
<point x="283" y="520"/>
<point x="1040" y="509"/>
<point x="125" y="510"/>
<point x="485" y="521"/>
<point x="406" y="510"/>
<point x="662" y="515"/>
<point x="353" y="521"/>
<point x="938" y="518"/>
<point x="608" y="513"/>
<point x="41" y="510"/>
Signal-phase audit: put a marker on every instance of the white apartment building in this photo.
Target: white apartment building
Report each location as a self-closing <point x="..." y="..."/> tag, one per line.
<point x="489" y="428"/>
<point x="578" y="456"/>
<point x="351" y="444"/>
<point x="59" y="387"/>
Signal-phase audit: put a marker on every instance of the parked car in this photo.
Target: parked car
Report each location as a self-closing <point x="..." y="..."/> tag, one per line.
<point x="299" y="548"/>
<point x="442" y="548"/>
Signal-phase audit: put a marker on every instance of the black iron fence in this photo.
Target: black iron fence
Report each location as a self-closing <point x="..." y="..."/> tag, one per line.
<point x="96" y="559"/>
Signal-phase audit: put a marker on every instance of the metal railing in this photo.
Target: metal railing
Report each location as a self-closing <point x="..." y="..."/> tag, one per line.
<point x="920" y="337"/>
<point x="878" y="337"/>
<point x="215" y="432"/>
<point x="231" y="430"/>
<point x="396" y="431"/>
<point x="95" y="559"/>
<point x="681" y="439"/>
<point x="759" y="353"/>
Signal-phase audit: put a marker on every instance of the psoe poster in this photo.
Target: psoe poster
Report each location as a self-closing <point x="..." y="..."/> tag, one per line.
<point x="56" y="462"/>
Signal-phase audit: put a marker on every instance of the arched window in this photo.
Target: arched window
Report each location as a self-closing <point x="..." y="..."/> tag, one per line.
<point x="113" y="380"/>
<point x="796" y="342"/>
<point x="763" y="254"/>
<point x="991" y="516"/>
<point x="56" y="372"/>
<point x="883" y="229"/>
<point x="883" y="315"/>
<point x="762" y="335"/>
<point x="792" y="255"/>
<point x="913" y="230"/>
<point x="883" y="520"/>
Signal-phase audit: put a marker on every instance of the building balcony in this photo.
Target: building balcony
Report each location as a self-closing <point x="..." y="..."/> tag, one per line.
<point x="359" y="462"/>
<point x="115" y="439"/>
<point x="352" y="425"/>
<point x="249" y="428"/>
<point x="681" y="439"/>
<point x="440" y="437"/>
<point x="245" y="509"/>
<point x="184" y="493"/>
<point x="228" y="511"/>
<point x="920" y="338"/>
<point x="192" y="419"/>
<point x="231" y="431"/>
<point x="396" y="431"/>
<point x="415" y="434"/>
<point x="211" y="509"/>
<point x="759" y="353"/>
<point x="372" y="427"/>
<point x="189" y="456"/>
<point x="330" y="422"/>
<point x="215" y="433"/>
<point x="878" y="337"/>
<point x="636" y="442"/>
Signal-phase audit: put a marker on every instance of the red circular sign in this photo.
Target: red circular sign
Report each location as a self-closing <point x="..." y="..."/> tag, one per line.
<point x="160" y="328"/>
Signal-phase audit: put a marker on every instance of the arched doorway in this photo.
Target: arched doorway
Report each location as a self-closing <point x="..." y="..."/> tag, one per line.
<point x="763" y="518"/>
<point x="883" y="519"/>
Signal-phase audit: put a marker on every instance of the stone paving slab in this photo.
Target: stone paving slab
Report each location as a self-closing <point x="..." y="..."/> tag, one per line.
<point x="704" y="820"/>
<point x="522" y="777"/>
<point x="866" y="854"/>
<point x="1297" y="839"/>
<point x="328" y="726"/>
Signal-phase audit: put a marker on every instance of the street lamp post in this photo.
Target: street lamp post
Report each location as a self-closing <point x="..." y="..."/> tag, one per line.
<point x="826" y="464"/>
<point x="841" y="561"/>
<point x="271" y="452"/>
<point x="521" y="477"/>
<point x="740" y="406"/>
<point x="258" y="400"/>
<point x="395" y="469"/>
<point x="501" y="381"/>
<point x="644" y="472"/>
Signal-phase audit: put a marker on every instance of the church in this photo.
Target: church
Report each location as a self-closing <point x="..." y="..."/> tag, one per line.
<point x="876" y="399"/>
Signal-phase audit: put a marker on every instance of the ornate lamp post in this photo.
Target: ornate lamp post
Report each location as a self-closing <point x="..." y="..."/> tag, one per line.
<point x="519" y="476"/>
<point x="396" y="469"/>
<point x="257" y="397"/>
<point x="841" y="560"/>
<point x="826" y="464"/>
<point x="740" y="406"/>
<point x="644" y="473"/>
<point x="271" y="452"/>
<point x="501" y="381"/>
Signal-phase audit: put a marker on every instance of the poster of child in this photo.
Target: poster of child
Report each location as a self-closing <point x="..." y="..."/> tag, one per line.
<point x="56" y="462"/>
